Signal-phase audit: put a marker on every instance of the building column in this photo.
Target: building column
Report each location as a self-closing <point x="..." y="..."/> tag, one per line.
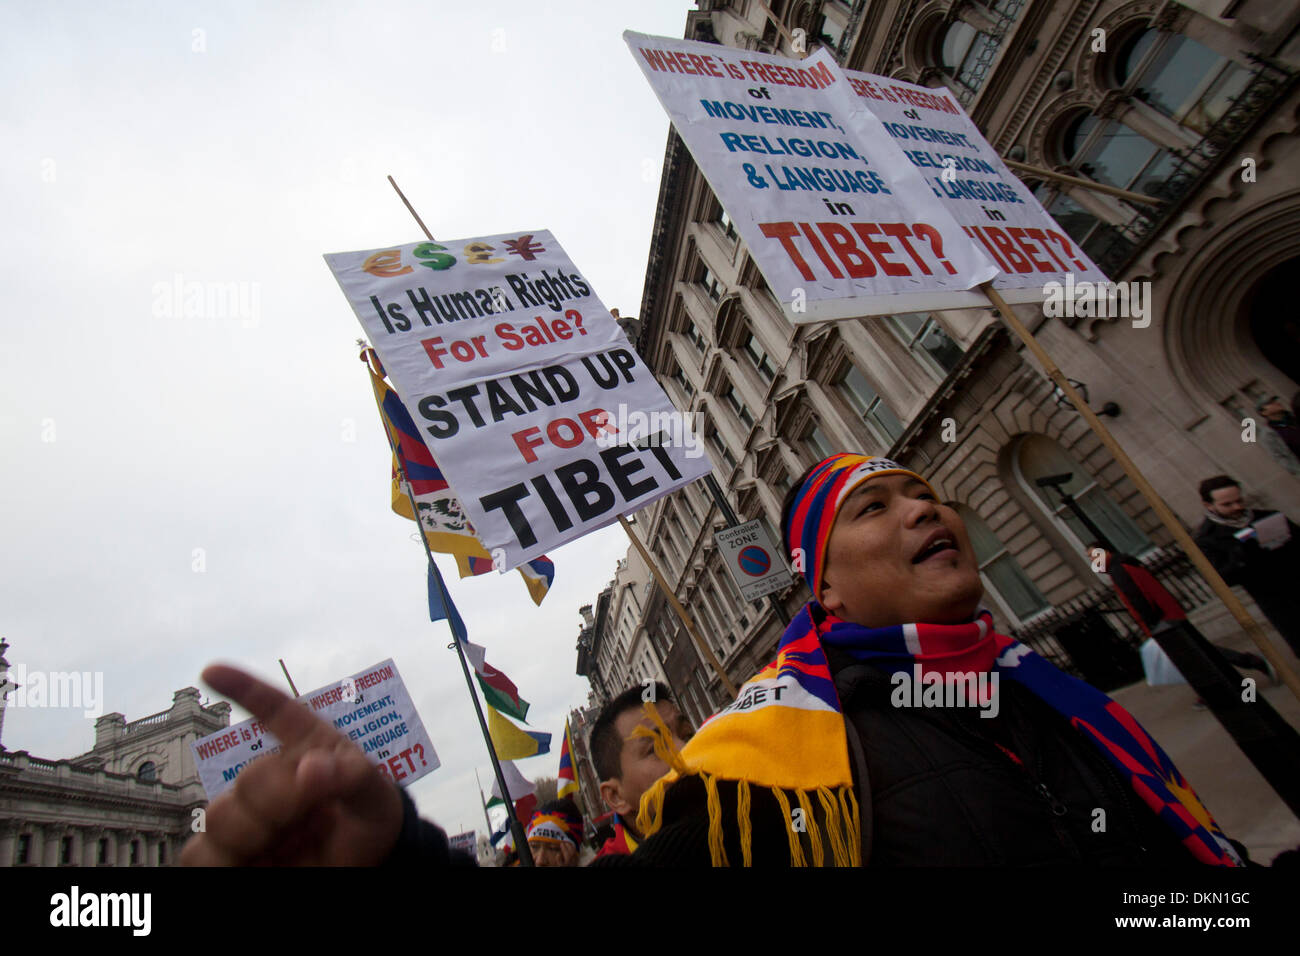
<point x="51" y="836"/>
<point x="124" y="838"/>
<point x="90" y="837"/>
<point x="8" y="841"/>
<point x="74" y="857"/>
<point x="110" y="855"/>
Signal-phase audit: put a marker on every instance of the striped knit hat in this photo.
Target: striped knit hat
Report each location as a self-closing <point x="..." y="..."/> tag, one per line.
<point x="817" y="503"/>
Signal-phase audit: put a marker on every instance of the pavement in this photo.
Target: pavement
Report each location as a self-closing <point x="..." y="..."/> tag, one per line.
<point x="1242" y="802"/>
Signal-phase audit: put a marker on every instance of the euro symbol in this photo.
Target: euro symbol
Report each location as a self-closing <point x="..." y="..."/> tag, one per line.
<point x="386" y="264"/>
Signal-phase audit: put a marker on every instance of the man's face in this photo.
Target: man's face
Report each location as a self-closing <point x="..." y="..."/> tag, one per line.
<point x="1273" y="411"/>
<point x="640" y="767"/>
<point x="546" y="853"/>
<point x="1226" y="502"/>
<point x="897" y="556"/>
<point x="1098" y="559"/>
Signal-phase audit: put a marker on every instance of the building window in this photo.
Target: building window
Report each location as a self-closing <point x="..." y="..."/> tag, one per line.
<point x="711" y="285"/>
<point x="65" y="850"/>
<point x="688" y="389"/>
<point x="1037" y="456"/>
<point x="148" y="772"/>
<point x="1179" y="77"/>
<point x="758" y="358"/>
<point x="738" y="407"/>
<point x="869" y="405"/>
<point x="1001" y="570"/>
<point x="719" y="447"/>
<point x="725" y="224"/>
<point x="24" y="847"/>
<point x="162" y="854"/>
<point x="103" y="850"/>
<point x="924" y="335"/>
<point x="135" y="852"/>
<point x="819" y="443"/>
<point x="697" y="340"/>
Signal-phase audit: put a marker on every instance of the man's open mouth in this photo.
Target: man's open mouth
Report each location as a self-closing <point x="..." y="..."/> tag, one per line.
<point x="938" y="542"/>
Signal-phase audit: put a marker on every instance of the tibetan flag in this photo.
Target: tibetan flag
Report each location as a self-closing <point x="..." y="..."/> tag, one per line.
<point x="566" y="780"/>
<point x="441" y="607"/>
<point x="500" y="692"/>
<point x="446" y="527"/>
<point x="511" y="742"/>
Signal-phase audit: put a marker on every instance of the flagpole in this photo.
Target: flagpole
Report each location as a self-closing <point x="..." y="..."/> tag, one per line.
<point x="288" y="678"/>
<point x="516" y="828"/>
<point x="1175" y="527"/>
<point x="483" y="803"/>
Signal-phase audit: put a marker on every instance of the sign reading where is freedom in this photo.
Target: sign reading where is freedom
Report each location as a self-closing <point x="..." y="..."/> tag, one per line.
<point x="967" y="175"/>
<point x="515" y="373"/>
<point x="371" y="707"/>
<point x="839" y="221"/>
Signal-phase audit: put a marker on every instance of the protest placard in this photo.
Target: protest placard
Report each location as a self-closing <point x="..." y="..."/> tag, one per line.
<point x="372" y="707"/>
<point x="542" y="417"/>
<point x="968" y="177"/>
<point x="840" y="223"/>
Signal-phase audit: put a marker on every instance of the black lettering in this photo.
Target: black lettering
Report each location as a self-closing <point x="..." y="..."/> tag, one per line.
<point x="580" y="479"/>
<point x="508" y="500"/>
<point x="464" y="394"/>
<point x="562" y="382"/>
<point x="500" y="402"/>
<point x="620" y="472"/>
<point x="656" y="444"/>
<point x="444" y="423"/>
<point x="423" y="305"/>
<point x="548" y="496"/>
<point x="624" y="360"/>
<point x="521" y="289"/>
<point x="530" y="387"/>
<point x="600" y="378"/>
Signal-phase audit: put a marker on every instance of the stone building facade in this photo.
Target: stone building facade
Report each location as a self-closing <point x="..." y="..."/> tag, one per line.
<point x="129" y="801"/>
<point x="1195" y="103"/>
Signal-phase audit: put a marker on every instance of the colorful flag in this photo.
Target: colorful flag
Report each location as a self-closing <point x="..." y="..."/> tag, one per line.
<point x="500" y="692"/>
<point x="446" y="528"/>
<point x="516" y="784"/>
<point x="442" y="608"/>
<point x="566" y="778"/>
<point x="513" y="743"/>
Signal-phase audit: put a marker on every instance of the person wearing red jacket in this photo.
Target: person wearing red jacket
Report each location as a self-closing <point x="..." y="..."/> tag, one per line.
<point x="1151" y="605"/>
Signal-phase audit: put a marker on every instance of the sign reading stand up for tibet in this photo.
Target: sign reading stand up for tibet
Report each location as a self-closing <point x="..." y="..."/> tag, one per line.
<point x="837" y="219"/>
<point x="542" y="417"/>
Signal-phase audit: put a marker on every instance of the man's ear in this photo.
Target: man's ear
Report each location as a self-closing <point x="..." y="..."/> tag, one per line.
<point x="611" y="791"/>
<point x="830" y="598"/>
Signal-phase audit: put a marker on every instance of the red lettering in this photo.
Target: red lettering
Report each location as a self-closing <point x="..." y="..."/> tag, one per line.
<point x="1029" y="249"/>
<point x="526" y="444"/>
<point x="553" y="433"/>
<point x="396" y="768"/>
<point x="879" y="249"/>
<point x="1008" y="249"/>
<point x="785" y="232"/>
<point x="856" y="263"/>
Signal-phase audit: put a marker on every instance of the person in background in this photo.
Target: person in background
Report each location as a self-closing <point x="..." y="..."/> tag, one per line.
<point x="1281" y="433"/>
<point x="1152" y="606"/>
<point x="1268" y="570"/>
<point x="554" y="833"/>
<point x="626" y="765"/>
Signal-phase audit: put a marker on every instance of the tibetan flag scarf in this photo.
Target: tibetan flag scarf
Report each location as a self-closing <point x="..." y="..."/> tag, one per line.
<point x="785" y="731"/>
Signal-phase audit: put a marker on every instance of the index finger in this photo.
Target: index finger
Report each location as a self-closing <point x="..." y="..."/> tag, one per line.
<point x="291" y="723"/>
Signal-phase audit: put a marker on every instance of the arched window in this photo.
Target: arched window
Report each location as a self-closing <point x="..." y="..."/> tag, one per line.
<point x="1177" y="76"/>
<point x="147" y="773"/>
<point x="1002" y="573"/>
<point x="1036" y="457"/>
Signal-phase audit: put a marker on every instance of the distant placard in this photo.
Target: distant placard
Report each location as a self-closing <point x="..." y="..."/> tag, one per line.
<point x="753" y="560"/>
<point x="372" y="707"/>
<point x="467" y="842"/>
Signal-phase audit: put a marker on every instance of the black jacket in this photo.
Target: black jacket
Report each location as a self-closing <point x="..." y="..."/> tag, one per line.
<point x="1270" y="577"/>
<point x="936" y="789"/>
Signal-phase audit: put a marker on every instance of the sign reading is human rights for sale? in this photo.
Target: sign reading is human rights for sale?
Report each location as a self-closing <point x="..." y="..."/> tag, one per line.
<point x="840" y="223"/>
<point x="542" y="417"/>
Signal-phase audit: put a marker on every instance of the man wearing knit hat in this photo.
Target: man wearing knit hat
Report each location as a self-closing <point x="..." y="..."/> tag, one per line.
<point x="554" y="833"/>
<point x="875" y="738"/>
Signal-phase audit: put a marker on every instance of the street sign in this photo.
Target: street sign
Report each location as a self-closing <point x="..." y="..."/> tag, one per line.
<point x="752" y="560"/>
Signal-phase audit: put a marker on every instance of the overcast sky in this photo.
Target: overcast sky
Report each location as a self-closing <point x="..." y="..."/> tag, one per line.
<point x="185" y="484"/>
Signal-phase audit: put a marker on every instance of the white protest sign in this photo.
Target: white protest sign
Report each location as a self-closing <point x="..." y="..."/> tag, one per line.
<point x="969" y="178"/>
<point x="837" y="219"/>
<point x="753" y="560"/>
<point x="372" y="707"/>
<point x="542" y="417"/>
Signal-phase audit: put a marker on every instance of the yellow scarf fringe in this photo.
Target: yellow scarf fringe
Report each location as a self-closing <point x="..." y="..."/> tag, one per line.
<point x="839" y="817"/>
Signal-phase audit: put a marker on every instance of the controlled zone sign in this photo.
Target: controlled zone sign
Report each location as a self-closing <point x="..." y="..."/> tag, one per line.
<point x="752" y="560"/>
<point x="543" y="419"/>
<point x="372" y="708"/>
